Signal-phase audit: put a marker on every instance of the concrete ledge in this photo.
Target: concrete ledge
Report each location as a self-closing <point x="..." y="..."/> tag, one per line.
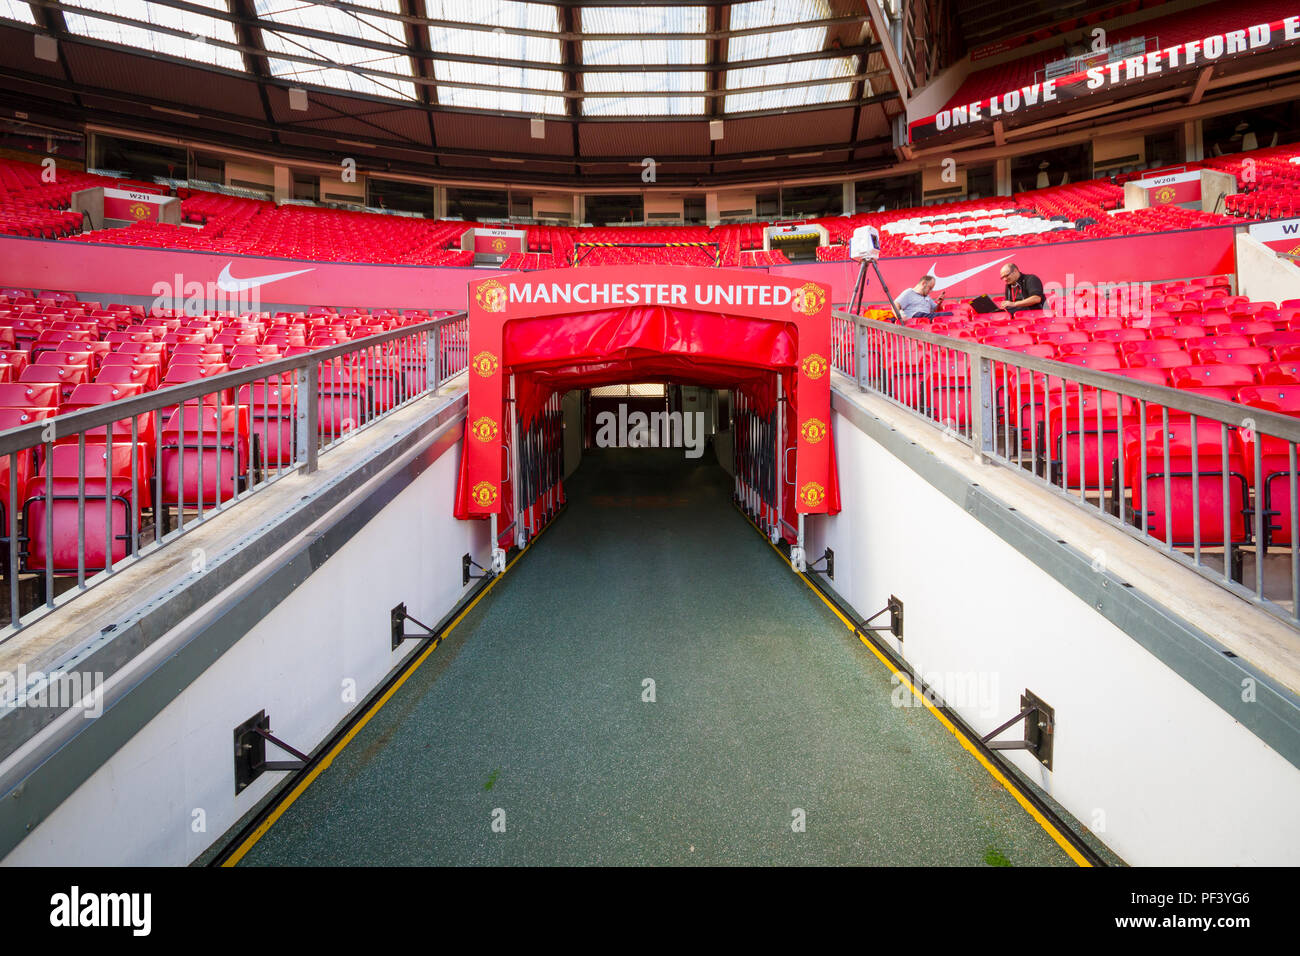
<point x="163" y="636"/>
<point x="1211" y="638"/>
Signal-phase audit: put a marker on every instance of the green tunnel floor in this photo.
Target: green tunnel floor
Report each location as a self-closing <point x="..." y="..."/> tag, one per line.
<point x="531" y="713"/>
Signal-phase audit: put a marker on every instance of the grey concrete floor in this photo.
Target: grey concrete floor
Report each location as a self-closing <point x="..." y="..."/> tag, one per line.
<point x="531" y="713"/>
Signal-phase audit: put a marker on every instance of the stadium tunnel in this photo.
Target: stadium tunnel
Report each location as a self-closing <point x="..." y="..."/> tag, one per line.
<point x="766" y="344"/>
<point x="645" y="668"/>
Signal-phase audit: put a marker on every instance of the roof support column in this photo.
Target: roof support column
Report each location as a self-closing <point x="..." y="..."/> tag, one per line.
<point x="1002" y="173"/>
<point x="1193" y="141"/>
<point x="283" y="183"/>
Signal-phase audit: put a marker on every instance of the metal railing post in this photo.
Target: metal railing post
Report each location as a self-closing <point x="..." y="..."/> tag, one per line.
<point x="307" y="418"/>
<point x="860" y="354"/>
<point x="432" y="359"/>
<point x="981" y="416"/>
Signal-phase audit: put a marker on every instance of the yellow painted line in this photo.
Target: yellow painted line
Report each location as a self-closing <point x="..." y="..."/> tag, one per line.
<point x="300" y="787"/>
<point x="965" y="741"/>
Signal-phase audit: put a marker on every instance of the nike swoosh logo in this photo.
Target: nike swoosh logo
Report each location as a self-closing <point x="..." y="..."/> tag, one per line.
<point x="228" y="283"/>
<point x="943" y="282"/>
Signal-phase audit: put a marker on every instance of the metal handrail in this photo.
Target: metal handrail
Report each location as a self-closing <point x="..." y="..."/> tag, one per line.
<point x="1247" y="518"/>
<point x="300" y="437"/>
<point x="1277" y="425"/>
<point x="25" y="437"/>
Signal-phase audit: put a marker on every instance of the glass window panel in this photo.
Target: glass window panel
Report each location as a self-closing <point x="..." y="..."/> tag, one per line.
<point x="190" y="46"/>
<point x="14" y="10"/>
<point x="334" y="56"/>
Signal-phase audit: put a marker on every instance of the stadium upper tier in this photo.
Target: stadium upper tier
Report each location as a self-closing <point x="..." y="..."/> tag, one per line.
<point x="1160" y="33"/>
<point x="1268" y="183"/>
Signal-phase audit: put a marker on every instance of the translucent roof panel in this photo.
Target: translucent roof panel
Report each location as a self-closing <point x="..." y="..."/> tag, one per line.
<point x="498" y="14"/>
<point x="771" y="13"/>
<point x="16" y="10"/>
<point x="780" y="43"/>
<point x="791" y="39"/>
<point x="526" y="93"/>
<point x="635" y="40"/>
<point x="638" y="50"/>
<point x="325" y="62"/>
<point x="187" y="42"/>
<point x="830" y="92"/>
<point x="757" y="46"/>
<point x="675" y="83"/>
<point x="637" y="20"/>
<point x="505" y="41"/>
<point x="645" y="106"/>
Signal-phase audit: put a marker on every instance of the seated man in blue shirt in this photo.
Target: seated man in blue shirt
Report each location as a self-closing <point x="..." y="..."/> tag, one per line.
<point x="916" y="302"/>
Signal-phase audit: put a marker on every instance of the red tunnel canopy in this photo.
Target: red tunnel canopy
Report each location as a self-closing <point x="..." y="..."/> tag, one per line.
<point x="644" y="345"/>
<point x="535" y="326"/>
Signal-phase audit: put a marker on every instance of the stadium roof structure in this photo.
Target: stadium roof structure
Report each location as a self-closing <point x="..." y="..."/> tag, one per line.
<point x="454" y="86"/>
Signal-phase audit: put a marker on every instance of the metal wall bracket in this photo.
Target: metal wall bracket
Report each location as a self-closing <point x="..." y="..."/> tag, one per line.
<point x="250" y="751"/>
<point x="829" y="570"/>
<point x="397" y="621"/>
<point x="466" y="576"/>
<point x="895" y="625"/>
<point x="1040" y="729"/>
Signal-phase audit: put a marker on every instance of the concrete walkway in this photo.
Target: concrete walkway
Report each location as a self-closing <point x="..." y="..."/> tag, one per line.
<point x="532" y="712"/>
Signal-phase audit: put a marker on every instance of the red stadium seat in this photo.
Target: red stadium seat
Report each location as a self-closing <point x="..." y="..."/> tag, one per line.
<point x="66" y="377"/>
<point x="1084" y="437"/>
<point x="147" y="375"/>
<point x="1168" y="360"/>
<point x="1279" y="373"/>
<point x="1199" y="376"/>
<point x="1231" y="356"/>
<point x="30" y="395"/>
<point x="1196" y="492"/>
<point x="272" y="409"/>
<point x="106" y="495"/>
<point x="201" y="447"/>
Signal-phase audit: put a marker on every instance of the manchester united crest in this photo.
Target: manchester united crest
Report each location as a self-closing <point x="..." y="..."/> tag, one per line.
<point x="1165" y="194"/>
<point x="498" y="244"/>
<point x="484" y="429"/>
<point x="486" y="364"/>
<point x="484" y="493"/>
<point x="815" y="366"/>
<point x="491" y="296"/>
<point x="812" y="494"/>
<point x="813" y="430"/>
<point x="809" y="299"/>
<point x="140" y="211"/>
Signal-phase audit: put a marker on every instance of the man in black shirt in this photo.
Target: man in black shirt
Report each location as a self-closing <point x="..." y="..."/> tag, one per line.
<point x="1022" y="291"/>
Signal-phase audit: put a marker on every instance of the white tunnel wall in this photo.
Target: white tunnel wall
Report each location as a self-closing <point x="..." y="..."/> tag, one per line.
<point x="1158" y="770"/>
<point x="146" y="804"/>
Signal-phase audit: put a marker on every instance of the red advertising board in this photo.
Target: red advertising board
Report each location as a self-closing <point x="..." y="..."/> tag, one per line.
<point x="103" y="270"/>
<point x="1189" y="56"/>
<point x="1150" y="258"/>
